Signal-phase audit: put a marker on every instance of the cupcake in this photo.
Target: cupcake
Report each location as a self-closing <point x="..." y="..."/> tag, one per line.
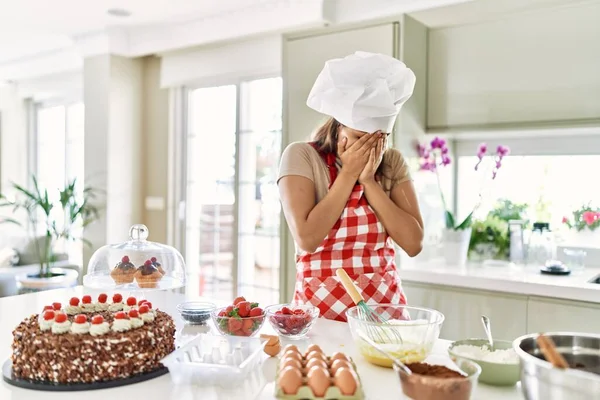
<point x="147" y="276"/>
<point x="123" y="271"/>
<point x="157" y="265"/>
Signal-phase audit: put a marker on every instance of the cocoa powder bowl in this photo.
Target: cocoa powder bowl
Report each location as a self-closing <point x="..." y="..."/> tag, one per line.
<point x="440" y="378"/>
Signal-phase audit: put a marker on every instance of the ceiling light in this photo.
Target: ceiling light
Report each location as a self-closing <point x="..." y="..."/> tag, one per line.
<point x="118" y="12"/>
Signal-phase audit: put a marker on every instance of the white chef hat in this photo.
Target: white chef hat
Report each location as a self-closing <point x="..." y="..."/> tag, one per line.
<point x="363" y="91"/>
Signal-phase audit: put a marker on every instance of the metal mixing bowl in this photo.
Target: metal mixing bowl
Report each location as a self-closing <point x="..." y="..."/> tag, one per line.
<point x="541" y="381"/>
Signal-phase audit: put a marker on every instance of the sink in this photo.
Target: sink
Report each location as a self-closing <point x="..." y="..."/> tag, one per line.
<point x="595" y="280"/>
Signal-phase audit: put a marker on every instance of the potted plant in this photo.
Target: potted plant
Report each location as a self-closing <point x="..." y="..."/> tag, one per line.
<point x="489" y="239"/>
<point x="58" y="220"/>
<point x="457" y="234"/>
<point x="584" y="223"/>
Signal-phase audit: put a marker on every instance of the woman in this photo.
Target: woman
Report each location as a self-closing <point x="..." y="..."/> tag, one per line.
<point x="345" y="196"/>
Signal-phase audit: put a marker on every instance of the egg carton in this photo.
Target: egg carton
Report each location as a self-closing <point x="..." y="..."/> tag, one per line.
<point x="332" y="393"/>
<point x="214" y="360"/>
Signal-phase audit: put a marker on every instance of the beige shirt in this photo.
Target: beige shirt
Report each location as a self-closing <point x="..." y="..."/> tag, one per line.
<point x="300" y="158"/>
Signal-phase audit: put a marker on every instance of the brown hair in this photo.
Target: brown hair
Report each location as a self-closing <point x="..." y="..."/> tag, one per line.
<point x="326" y="137"/>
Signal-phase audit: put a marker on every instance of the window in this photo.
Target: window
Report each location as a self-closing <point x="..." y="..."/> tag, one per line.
<point x="232" y="202"/>
<point x="551" y="186"/>
<point x="60" y="136"/>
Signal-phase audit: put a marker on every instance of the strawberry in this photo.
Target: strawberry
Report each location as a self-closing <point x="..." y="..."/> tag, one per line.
<point x="142" y="302"/>
<point x="80" y="319"/>
<point x="247" y="325"/>
<point x="222" y="313"/>
<point x="234" y="324"/>
<point x="117" y="298"/>
<point x="229" y="310"/>
<point x="120" y="315"/>
<point x="256" y="312"/>
<point x="253" y="305"/>
<point x="243" y="308"/>
<point x="125" y="260"/>
<point x="134" y="313"/>
<point x="86" y="299"/>
<point x="285" y="310"/>
<point x="74" y="301"/>
<point x="60" y="317"/>
<point x="143" y="309"/>
<point x="148" y="304"/>
<point x="102" y="298"/>
<point x="56" y="306"/>
<point x="48" y="308"/>
<point x="298" y="311"/>
<point x="238" y="300"/>
<point x="97" y="319"/>
<point x="48" y="315"/>
<point x="131" y="301"/>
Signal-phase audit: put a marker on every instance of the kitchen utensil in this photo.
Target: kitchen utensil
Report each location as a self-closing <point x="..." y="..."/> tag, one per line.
<point x="555" y="267"/>
<point x="540" y="380"/>
<point x="295" y="325"/>
<point x="492" y="373"/>
<point x="397" y="363"/>
<point x="382" y="331"/>
<point x="488" y="330"/>
<point x="195" y="312"/>
<point x="546" y="345"/>
<point x="419" y="328"/>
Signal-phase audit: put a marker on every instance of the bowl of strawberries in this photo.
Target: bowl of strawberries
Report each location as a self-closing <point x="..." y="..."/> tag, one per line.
<point x="242" y="318"/>
<point x="292" y="321"/>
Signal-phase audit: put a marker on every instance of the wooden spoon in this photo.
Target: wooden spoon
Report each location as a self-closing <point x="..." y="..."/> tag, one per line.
<point x="548" y="348"/>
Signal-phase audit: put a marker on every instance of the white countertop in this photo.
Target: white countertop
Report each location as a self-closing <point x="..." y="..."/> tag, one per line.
<point x="379" y="383"/>
<point x="520" y="280"/>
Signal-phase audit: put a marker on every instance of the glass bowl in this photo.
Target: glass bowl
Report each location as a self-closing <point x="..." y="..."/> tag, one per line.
<point x="408" y="335"/>
<point x="292" y="321"/>
<point x="195" y="312"/>
<point x="237" y="326"/>
<point x="136" y="265"/>
<point x="431" y="387"/>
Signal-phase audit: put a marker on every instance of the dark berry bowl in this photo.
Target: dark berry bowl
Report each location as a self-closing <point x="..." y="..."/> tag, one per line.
<point x="292" y="321"/>
<point x="195" y="312"/>
<point x="236" y="325"/>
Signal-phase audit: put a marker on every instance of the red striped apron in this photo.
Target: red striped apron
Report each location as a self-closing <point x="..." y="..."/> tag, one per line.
<point x="358" y="243"/>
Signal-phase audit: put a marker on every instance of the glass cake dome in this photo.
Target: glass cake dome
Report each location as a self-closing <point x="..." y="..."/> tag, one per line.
<point x="135" y="265"/>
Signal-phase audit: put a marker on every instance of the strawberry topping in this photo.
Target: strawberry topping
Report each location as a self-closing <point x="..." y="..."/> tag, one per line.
<point x="142" y="302"/>
<point x="134" y="314"/>
<point x="74" y="301"/>
<point x="97" y="319"/>
<point x="80" y="319"/>
<point x="120" y="315"/>
<point x="86" y="299"/>
<point x="48" y="308"/>
<point x="148" y="304"/>
<point x="125" y="260"/>
<point x="49" y="315"/>
<point x="131" y="301"/>
<point x="56" y="306"/>
<point x="117" y="298"/>
<point x="102" y="298"/>
<point x="143" y="309"/>
<point x="60" y="317"/>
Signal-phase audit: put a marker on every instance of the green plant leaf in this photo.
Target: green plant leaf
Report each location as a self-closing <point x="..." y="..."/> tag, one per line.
<point x="449" y="220"/>
<point x="466" y="223"/>
<point x="10" y="221"/>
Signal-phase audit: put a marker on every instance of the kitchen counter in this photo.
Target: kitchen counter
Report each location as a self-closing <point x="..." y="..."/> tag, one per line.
<point x="520" y="280"/>
<point x="379" y="383"/>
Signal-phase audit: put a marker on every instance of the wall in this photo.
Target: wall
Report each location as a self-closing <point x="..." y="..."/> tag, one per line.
<point x="530" y="67"/>
<point x="155" y="149"/>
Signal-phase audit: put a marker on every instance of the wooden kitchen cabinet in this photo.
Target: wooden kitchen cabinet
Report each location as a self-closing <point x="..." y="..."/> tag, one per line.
<point x="463" y="309"/>
<point x="544" y="315"/>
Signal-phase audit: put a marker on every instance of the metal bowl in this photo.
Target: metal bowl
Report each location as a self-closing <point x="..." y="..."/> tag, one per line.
<point x="541" y="381"/>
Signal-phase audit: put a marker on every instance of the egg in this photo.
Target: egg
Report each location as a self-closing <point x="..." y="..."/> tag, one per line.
<point x="272" y="350"/>
<point x="313" y="347"/>
<point x="316" y="354"/>
<point x="290" y="362"/>
<point x="290" y="380"/>
<point x="318" y="380"/>
<point x="292" y="355"/>
<point x="315" y="361"/>
<point x="291" y="348"/>
<point x="346" y="380"/>
<point x="339" y="356"/>
<point x="337" y="364"/>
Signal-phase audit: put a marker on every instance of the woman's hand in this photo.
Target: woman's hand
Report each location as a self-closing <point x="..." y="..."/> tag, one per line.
<point x="375" y="157"/>
<point x="355" y="158"/>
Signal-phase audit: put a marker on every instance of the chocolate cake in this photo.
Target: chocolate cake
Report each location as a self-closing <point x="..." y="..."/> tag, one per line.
<point x="74" y="355"/>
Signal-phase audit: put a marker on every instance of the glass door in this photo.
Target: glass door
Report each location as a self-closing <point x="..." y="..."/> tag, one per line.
<point x="232" y="202"/>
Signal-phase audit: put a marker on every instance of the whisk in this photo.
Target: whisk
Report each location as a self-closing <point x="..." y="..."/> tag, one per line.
<point x="377" y="326"/>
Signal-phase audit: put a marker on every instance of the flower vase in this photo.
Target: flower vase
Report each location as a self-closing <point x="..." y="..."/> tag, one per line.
<point x="455" y="246"/>
<point x="585" y="238"/>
